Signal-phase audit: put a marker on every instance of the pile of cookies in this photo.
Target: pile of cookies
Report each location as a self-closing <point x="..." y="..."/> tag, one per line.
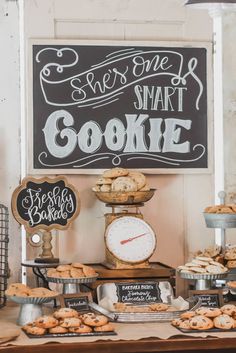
<point x="230" y="257"/>
<point x="121" y="180"/>
<point x="221" y="209"/>
<point x="75" y="270"/>
<point x="67" y="320"/>
<point x="21" y="290"/>
<point x="157" y="307"/>
<point x="205" y="318"/>
<point x="203" y="265"/>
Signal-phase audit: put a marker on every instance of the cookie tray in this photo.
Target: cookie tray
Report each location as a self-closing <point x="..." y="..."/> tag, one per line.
<point x="208" y="331"/>
<point x="71" y="334"/>
<point x="163" y="316"/>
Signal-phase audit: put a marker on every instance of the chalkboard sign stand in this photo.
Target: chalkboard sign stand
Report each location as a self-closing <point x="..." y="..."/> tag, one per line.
<point x="47" y="255"/>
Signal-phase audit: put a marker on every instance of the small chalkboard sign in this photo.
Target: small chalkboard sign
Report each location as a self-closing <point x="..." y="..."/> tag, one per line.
<point x="147" y="292"/>
<point x="45" y="203"/>
<point x="77" y="301"/>
<point x="210" y="298"/>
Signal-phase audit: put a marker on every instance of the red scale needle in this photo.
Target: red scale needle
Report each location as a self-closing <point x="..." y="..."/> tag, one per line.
<point x="130" y="239"/>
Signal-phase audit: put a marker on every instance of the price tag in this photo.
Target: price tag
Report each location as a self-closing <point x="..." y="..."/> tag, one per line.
<point x="138" y="292"/>
<point x="209" y="298"/>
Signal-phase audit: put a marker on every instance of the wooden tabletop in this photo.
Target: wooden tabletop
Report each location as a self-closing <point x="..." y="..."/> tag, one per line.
<point x="150" y="345"/>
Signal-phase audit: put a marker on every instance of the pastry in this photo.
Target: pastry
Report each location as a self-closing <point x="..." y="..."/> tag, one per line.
<point x="200" y="322"/>
<point x="70" y="322"/>
<point x="105" y="328"/>
<point x="98" y="320"/>
<point x="58" y="329"/>
<point x="46" y="321"/>
<point x="115" y="172"/>
<point x="64" y="313"/>
<point x="139" y="179"/>
<point x="208" y="312"/>
<point x="124" y="184"/>
<point x="81" y="329"/>
<point x="229" y="309"/>
<point x="224" y="322"/>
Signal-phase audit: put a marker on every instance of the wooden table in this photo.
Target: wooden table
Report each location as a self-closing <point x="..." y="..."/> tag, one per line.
<point x="150" y="345"/>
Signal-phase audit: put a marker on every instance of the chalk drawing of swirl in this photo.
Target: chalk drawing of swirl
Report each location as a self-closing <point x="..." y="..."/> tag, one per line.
<point x="117" y="160"/>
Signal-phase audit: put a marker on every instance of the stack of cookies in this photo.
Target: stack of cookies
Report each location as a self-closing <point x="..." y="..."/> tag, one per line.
<point x="203" y="265"/>
<point x="121" y="180"/>
<point x="75" y="270"/>
<point x="67" y="320"/>
<point x="157" y="307"/>
<point x="230" y="257"/>
<point x="21" y="290"/>
<point x="205" y="318"/>
<point x="228" y="209"/>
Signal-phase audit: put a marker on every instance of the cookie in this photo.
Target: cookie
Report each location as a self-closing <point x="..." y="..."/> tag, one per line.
<point x="176" y="322"/>
<point x="224" y="322"/>
<point x="65" y="274"/>
<point x="197" y="269"/>
<point x="228" y="309"/>
<point x="63" y="268"/>
<point x="76" y="273"/>
<point x="215" y="269"/>
<point x="64" y="313"/>
<point x="96" y="188"/>
<point x="70" y="322"/>
<point x="34" y="330"/>
<point x="230" y="255"/>
<point x="182" y="267"/>
<point x="200" y="322"/>
<point x="115" y="172"/>
<point x="138" y="178"/>
<point x="89" y="271"/>
<point x="81" y="329"/>
<point x="203" y="258"/>
<point x="51" y="272"/>
<point x="77" y="265"/>
<point x="187" y="315"/>
<point x="58" y="329"/>
<point x="200" y="262"/>
<point x="158" y="307"/>
<point x="231" y="264"/>
<point x="105" y="328"/>
<point x="232" y="284"/>
<point x="104" y="181"/>
<point x="105" y="188"/>
<point x="42" y="292"/>
<point x="145" y="188"/>
<point x="98" y="320"/>
<point x="124" y="184"/>
<point x="46" y="321"/>
<point x="184" y="324"/>
<point x="88" y="315"/>
<point x="208" y="312"/>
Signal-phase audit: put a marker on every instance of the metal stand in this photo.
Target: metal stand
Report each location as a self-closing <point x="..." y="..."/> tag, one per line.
<point x="71" y="288"/>
<point x="203" y="284"/>
<point x="28" y="313"/>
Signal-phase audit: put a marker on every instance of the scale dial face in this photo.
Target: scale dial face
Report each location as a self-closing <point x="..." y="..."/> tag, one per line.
<point x="130" y="239"/>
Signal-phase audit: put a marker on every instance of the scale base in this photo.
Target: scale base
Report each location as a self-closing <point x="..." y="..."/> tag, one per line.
<point x="123" y="266"/>
<point x="47" y="260"/>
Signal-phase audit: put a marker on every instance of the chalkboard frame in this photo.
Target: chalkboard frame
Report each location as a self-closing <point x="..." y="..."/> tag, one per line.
<point x="23" y="185"/>
<point x="168" y="44"/>
<point x="64" y="297"/>
<point x="209" y="292"/>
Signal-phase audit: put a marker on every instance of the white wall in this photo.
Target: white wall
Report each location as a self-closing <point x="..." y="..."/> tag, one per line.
<point x="10" y="122"/>
<point x="175" y="212"/>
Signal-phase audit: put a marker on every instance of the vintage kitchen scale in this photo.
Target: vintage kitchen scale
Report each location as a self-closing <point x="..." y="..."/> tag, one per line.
<point x="129" y="240"/>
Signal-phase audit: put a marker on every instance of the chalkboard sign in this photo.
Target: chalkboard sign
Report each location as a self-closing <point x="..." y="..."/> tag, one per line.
<point x="45" y="203"/>
<point x="101" y="105"/>
<point x="209" y="298"/>
<point x="78" y="302"/>
<point x="147" y="292"/>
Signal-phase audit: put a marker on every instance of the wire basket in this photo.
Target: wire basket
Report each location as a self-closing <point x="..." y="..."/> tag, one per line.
<point x="4" y="239"/>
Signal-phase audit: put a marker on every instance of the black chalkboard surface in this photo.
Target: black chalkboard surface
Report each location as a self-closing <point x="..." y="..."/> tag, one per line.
<point x="209" y="298"/>
<point x="147" y="292"/>
<point x="45" y="203"/>
<point x="98" y="106"/>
